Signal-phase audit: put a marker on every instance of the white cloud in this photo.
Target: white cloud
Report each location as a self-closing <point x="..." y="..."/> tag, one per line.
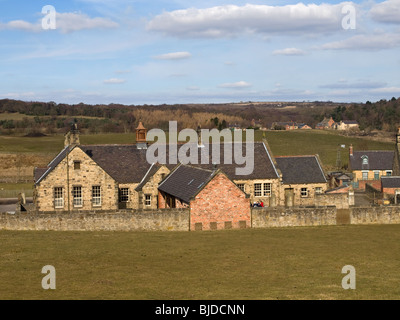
<point x="65" y="23"/>
<point x="235" y="85"/>
<point x="366" y="42"/>
<point x="173" y="56"/>
<point x="229" y="20"/>
<point x="114" y="81"/>
<point x="386" y="11"/>
<point x="289" y="52"/>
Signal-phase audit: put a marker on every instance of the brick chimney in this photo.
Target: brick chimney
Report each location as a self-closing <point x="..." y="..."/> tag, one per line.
<point x="72" y="136"/>
<point x="351" y="150"/>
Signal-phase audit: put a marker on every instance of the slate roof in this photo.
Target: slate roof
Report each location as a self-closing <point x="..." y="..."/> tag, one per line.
<point x="185" y="182"/>
<point x="128" y="164"/>
<point x="391" y="182"/>
<point x="377" y="160"/>
<point x="300" y="170"/>
<point x="349" y="121"/>
<point x="41" y="173"/>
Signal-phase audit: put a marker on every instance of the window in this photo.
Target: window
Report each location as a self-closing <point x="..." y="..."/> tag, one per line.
<point x="267" y="189"/>
<point x="376" y="175"/>
<point x="123" y="195"/>
<point x="365" y="175"/>
<point x="58" y="198"/>
<point x="77" y="165"/>
<point x="147" y="199"/>
<point x="318" y="190"/>
<point x="96" y="196"/>
<point x="303" y="192"/>
<point x="389" y="173"/>
<point x="364" y="159"/>
<point x="241" y="186"/>
<point x="77" y="196"/>
<point x="257" y="189"/>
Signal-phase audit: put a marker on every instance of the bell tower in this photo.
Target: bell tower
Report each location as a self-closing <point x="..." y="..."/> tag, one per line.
<point x="141" y="135"/>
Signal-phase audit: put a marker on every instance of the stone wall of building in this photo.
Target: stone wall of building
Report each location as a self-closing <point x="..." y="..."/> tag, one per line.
<point x="298" y="199"/>
<point x="124" y="220"/>
<point x="292" y="217"/>
<point x="67" y="176"/>
<point x="340" y="200"/>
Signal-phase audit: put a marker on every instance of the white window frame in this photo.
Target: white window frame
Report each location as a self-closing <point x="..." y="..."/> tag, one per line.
<point x="58" y="197"/>
<point x="318" y="190"/>
<point x="302" y="190"/>
<point x="147" y="200"/>
<point x="390" y="173"/>
<point x="363" y="173"/>
<point x="96" y="196"/>
<point x="77" y="198"/>
<point x="240" y="186"/>
<point x="258" y="191"/>
<point x="267" y="189"/>
<point x="375" y="173"/>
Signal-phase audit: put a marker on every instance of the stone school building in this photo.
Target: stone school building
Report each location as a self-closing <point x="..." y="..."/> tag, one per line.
<point x="114" y="177"/>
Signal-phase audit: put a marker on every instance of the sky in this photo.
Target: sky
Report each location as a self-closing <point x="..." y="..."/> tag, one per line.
<point x="155" y="52"/>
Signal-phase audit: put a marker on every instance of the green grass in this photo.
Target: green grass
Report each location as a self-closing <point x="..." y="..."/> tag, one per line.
<point x="281" y="142"/>
<point x="279" y="263"/>
<point x="11" y="190"/>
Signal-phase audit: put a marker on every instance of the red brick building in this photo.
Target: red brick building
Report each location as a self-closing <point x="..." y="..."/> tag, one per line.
<point x="215" y="201"/>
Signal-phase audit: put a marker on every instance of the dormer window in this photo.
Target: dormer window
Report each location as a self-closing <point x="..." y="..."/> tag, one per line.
<point x="364" y="159"/>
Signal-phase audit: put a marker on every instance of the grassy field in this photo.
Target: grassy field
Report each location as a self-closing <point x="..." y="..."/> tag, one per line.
<point x="279" y="263"/>
<point x="281" y="142"/>
<point x="11" y="190"/>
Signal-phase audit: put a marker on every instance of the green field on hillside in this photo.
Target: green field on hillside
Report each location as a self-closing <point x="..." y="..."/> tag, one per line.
<point x="276" y="263"/>
<point x="323" y="143"/>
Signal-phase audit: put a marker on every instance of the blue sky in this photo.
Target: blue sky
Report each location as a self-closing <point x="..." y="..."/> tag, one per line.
<point x="137" y="52"/>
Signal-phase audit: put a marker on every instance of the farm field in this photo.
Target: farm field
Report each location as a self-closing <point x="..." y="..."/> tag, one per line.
<point x="257" y="264"/>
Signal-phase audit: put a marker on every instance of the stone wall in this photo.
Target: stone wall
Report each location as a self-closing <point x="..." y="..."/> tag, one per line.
<point x="340" y="200"/>
<point x="375" y="215"/>
<point x="292" y="217"/>
<point x="123" y="220"/>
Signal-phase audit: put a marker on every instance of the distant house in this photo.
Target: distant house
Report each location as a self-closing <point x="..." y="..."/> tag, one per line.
<point x="369" y="166"/>
<point x="303" y="126"/>
<point x="338" y="179"/>
<point x="284" y="125"/>
<point x="325" y="124"/>
<point x="347" y="125"/>
<point x="302" y="179"/>
<point x="390" y="185"/>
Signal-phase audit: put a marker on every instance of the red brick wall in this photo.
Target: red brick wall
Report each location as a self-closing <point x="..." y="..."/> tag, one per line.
<point x="220" y="201"/>
<point x="374" y="183"/>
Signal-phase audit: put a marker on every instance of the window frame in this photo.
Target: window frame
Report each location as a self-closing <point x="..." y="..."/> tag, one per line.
<point x="240" y="186"/>
<point x="77" y="201"/>
<point x="77" y="165"/>
<point x="120" y="194"/>
<point x="96" y="197"/>
<point x="147" y="202"/>
<point x="258" y="193"/>
<point x="318" y="190"/>
<point x="267" y="189"/>
<point x="56" y="191"/>
<point x="302" y="190"/>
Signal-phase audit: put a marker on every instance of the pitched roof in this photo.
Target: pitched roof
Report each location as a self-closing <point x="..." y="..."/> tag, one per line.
<point x="300" y="169"/>
<point x="391" y="182"/>
<point x="41" y="173"/>
<point x="377" y="160"/>
<point x="349" y="122"/>
<point x="186" y="181"/>
<point x="128" y="164"/>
